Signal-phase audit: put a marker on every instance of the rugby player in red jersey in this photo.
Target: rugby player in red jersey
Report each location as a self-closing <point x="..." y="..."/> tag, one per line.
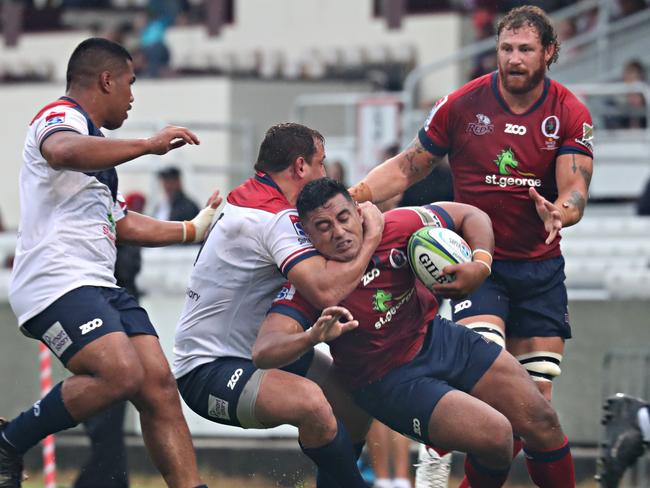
<point x="414" y="371"/>
<point x="520" y="147"/>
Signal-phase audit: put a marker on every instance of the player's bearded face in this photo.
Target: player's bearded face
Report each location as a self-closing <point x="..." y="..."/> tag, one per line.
<point x="521" y="60"/>
<point x="336" y="229"/>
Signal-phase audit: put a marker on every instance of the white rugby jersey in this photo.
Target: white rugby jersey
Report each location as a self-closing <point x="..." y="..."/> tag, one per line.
<point x="241" y="267"/>
<point x="66" y="237"/>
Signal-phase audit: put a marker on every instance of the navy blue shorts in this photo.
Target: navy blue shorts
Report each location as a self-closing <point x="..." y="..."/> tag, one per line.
<point x="85" y="314"/>
<point x="225" y="390"/>
<point x="453" y="357"/>
<point x="530" y="297"/>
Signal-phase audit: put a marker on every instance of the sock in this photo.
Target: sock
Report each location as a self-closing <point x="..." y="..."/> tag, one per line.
<point x="402" y="483"/>
<point x="517" y="445"/>
<point x="644" y="422"/>
<point x="382" y="483"/>
<point x="478" y="475"/>
<point x="45" y="417"/>
<point x="325" y="480"/>
<point x="337" y="460"/>
<point x="552" y="468"/>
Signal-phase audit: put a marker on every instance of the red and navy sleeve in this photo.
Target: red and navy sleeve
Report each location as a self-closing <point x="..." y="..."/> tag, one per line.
<point x="579" y="133"/>
<point x="290" y="303"/>
<point x="434" y="136"/>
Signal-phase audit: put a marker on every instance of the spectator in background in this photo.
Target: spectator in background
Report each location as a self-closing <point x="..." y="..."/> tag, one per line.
<point x="336" y="171"/>
<point x="629" y="111"/>
<point x="175" y="205"/>
<point x="107" y="465"/>
<point x="161" y="14"/>
<point x="630" y="7"/>
<point x="483" y="29"/>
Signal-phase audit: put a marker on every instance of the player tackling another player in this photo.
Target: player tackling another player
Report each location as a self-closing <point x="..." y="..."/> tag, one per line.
<point x="257" y="243"/>
<point x="520" y="147"/>
<point x="421" y="375"/>
<point x="62" y="288"/>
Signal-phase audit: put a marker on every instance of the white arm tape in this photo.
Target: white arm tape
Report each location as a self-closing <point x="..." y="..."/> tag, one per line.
<point x="202" y="222"/>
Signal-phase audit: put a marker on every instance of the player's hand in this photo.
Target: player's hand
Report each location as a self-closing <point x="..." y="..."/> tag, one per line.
<point x="549" y="213"/>
<point x="469" y="276"/>
<point x="373" y="222"/>
<point x="171" y="137"/>
<point x="195" y="230"/>
<point x="333" y="322"/>
<point x="215" y="200"/>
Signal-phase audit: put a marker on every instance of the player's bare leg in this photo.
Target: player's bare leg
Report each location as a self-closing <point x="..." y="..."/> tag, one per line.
<point x="105" y="371"/>
<point x="356" y="421"/>
<point x="164" y="428"/>
<point x="322" y="437"/>
<point x="464" y="423"/>
<point x="507" y="387"/>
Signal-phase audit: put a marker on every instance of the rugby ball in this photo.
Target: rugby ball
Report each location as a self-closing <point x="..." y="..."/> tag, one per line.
<point x="430" y="249"/>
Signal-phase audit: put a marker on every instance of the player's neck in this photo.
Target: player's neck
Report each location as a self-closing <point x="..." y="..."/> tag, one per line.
<point x="289" y="189"/>
<point x="87" y="101"/>
<point x="520" y="103"/>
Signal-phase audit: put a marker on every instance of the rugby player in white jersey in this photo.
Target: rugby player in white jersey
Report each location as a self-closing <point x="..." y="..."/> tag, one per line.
<point x="63" y="290"/>
<point x="255" y="244"/>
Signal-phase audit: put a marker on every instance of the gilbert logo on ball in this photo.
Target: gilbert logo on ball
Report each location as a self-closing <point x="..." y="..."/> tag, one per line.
<point x="430" y="249"/>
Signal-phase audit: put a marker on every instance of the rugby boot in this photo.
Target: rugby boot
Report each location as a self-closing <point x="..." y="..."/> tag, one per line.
<point x="623" y="443"/>
<point x="11" y="465"/>
<point x="432" y="470"/>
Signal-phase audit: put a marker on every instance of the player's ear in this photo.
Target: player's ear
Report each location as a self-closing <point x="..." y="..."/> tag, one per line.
<point x="548" y="53"/>
<point x="106" y="81"/>
<point x="299" y="167"/>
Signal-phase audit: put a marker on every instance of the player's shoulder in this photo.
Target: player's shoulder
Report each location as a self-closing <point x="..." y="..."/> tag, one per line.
<point x="471" y="87"/>
<point x="262" y="194"/>
<point x="566" y="97"/>
<point x="403" y="221"/>
<point x="445" y="104"/>
<point x="55" y="112"/>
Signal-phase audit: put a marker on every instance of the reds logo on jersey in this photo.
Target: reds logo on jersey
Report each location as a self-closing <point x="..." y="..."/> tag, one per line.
<point x="54" y="118"/>
<point x="297" y="225"/>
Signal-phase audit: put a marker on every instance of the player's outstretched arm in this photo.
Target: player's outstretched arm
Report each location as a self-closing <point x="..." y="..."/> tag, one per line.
<point x="475" y="227"/>
<point x="326" y="282"/>
<point x="573" y="176"/>
<point x="281" y="340"/>
<point x="74" y="151"/>
<point x="396" y="174"/>
<point x="143" y="230"/>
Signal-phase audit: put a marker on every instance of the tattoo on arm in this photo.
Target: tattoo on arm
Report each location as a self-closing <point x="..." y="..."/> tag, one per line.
<point x="412" y="154"/>
<point x="574" y="167"/>
<point x="586" y="175"/>
<point x="578" y="200"/>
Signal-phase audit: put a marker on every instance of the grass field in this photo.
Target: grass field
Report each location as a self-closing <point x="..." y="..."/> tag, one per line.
<point x="65" y="479"/>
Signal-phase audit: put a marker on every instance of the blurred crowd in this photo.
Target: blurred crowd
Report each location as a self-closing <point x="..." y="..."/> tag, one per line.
<point x="141" y="26"/>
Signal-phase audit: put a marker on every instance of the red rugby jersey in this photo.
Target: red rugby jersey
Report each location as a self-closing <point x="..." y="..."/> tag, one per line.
<point x="495" y="156"/>
<point x="392" y="314"/>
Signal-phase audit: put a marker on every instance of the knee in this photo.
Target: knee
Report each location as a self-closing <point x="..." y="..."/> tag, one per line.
<point x="539" y="421"/>
<point x="315" y="412"/>
<point x="126" y="379"/>
<point x="497" y="443"/>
